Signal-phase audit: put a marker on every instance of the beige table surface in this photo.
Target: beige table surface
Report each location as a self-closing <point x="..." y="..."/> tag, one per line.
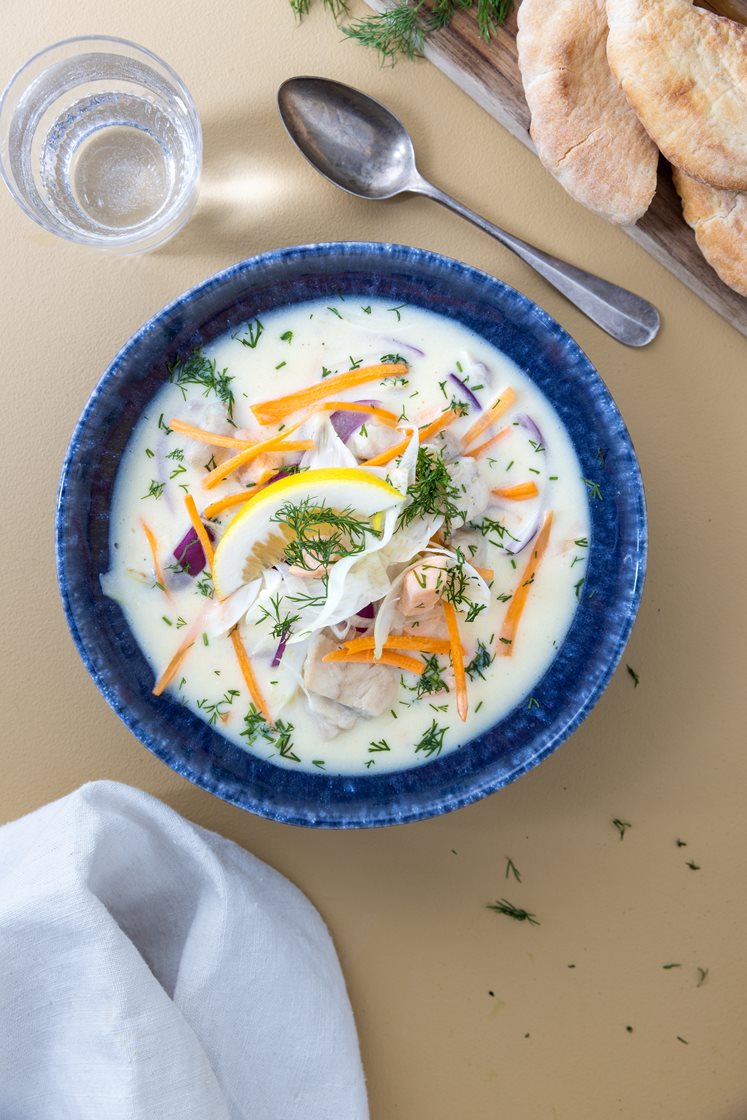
<point x="461" y="1012"/>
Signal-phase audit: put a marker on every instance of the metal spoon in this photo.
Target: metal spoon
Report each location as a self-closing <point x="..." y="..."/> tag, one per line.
<point x="358" y="144"/>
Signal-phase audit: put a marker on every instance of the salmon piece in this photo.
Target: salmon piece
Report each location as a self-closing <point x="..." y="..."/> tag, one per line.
<point x="422" y="587"/>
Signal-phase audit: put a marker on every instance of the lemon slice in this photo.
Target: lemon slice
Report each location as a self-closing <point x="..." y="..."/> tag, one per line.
<point x="253" y="541"/>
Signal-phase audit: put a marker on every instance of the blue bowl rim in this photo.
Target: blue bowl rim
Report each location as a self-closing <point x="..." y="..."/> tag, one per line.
<point x="554" y="737"/>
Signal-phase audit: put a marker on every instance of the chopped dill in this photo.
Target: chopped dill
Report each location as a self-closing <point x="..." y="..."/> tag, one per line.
<point x="198" y="369"/>
<point x="392" y="359"/>
<point x="621" y="826"/>
<point x="702" y="976"/>
<point x="483" y="659"/>
<point x="693" y="865"/>
<point x="217" y="710"/>
<point x="633" y="675"/>
<point x="432" y="741"/>
<point x="503" y="906"/>
<point x="593" y="487"/>
<point x="154" y="490"/>
<point x="254" y="331"/>
<point x="379" y="746"/>
<point x="512" y="869"/>
<point x="286" y="336"/>
<point x="667" y="967"/>
<point x="204" y="585"/>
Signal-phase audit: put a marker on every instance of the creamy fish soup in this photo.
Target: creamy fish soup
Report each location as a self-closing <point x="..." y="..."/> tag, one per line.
<point x="350" y="536"/>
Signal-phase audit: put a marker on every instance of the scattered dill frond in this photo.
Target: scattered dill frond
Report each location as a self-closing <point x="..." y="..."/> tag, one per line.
<point x="594" y="489"/>
<point x="282" y="624"/>
<point x="380" y="745"/>
<point x="431" y="679"/>
<point x="693" y="865"/>
<point x="198" y="369"/>
<point x="217" y="710"/>
<point x="483" y="659"/>
<point x="503" y="906"/>
<point x="253" y="331"/>
<point x="155" y="489"/>
<point x="432" y="741"/>
<point x="667" y="967"/>
<point x="621" y="826"/>
<point x="702" y="975"/>
<point x="255" y="726"/>
<point x="633" y="675"/>
<point x="336" y="8"/>
<point x="512" y="869"/>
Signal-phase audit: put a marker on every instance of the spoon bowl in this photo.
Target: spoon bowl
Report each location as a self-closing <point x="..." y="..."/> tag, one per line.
<point x="352" y="140"/>
<point x="359" y="145"/>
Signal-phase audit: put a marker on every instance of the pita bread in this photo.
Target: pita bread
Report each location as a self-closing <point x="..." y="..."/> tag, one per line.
<point x="719" y="219"/>
<point x="684" y="71"/>
<point x="584" y="130"/>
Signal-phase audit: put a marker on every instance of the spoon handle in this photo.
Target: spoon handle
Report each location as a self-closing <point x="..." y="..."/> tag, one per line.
<point x="622" y="314"/>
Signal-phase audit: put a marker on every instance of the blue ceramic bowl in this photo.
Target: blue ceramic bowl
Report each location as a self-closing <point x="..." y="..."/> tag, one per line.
<point x="609" y="596"/>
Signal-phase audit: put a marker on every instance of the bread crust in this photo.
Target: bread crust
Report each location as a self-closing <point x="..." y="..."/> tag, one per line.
<point x="719" y="219"/>
<point x="684" y="71"/>
<point x="583" y="128"/>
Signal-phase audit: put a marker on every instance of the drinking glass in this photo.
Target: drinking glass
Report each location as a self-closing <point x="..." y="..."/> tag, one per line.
<point x="100" y="143"/>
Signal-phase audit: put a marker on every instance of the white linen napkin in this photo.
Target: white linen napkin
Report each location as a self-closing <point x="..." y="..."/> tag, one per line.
<point x="151" y="969"/>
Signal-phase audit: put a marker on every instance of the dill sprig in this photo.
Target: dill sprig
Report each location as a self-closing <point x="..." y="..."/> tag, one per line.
<point x="282" y="624"/>
<point x="503" y="906"/>
<point x="512" y="869"/>
<point x="432" y="493"/>
<point x="336" y="8"/>
<point x="318" y="535"/>
<point x="198" y="369"/>
<point x="401" y="31"/>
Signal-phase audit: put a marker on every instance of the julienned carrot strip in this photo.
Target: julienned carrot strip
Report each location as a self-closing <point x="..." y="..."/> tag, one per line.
<point x="486" y="573"/>
<point x="386" y="456"/>
<point x="505" y="644"/>
<point x="383" y="415"/>
<point x="522" y="492"/>
<point x="443" y="421"/>
<point x="476" y="452"/>
<point x="157" y="570"/>
<point x="457" y="659"/>
<point x="207" y="437"/>
<point x="366" y="657"/>
<point x="249" y="678"/>
<point x="419" y="642"/>
<point x="489" y="416"/>
<point x="200" y="530"/>
<point x="170" y="671"/>
<point x="268" y="412"/>
<point x="244" y="457"/>
<point x="215" y="508"/>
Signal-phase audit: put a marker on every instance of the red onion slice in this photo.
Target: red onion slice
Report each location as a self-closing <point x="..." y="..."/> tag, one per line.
<point x="345" y="423"/>
<point x="280" y="650"/>
<point x="467" y="391"/>
<point x="529" y="425"/>
<point x="515" y="546"/>
<point x="189" y="554"/>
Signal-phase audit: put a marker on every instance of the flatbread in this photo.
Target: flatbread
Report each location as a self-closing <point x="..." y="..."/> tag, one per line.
<point x="719" y="219"/>
<point x="684" y="71"/>
<point x="584" y="130"/>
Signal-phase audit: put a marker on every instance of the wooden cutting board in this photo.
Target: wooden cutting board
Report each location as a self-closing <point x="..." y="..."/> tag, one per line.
<point x="489" y="73"/>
